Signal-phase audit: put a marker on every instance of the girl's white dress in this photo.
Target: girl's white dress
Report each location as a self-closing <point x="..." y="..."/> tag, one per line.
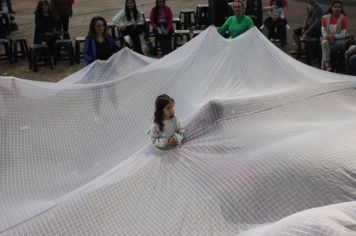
<point x="160" y="138"/>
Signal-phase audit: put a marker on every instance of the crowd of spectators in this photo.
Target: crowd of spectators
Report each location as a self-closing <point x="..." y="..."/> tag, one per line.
<point x="330" y="27"/>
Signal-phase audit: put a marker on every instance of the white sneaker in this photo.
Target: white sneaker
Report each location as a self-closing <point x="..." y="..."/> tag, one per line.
<point x="287" y="27"/>
<point x="128" y="40"/>
<point x="262" y="27"/>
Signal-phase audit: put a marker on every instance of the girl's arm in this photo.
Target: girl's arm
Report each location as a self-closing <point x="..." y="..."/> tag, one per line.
<point x="118" y="19"/>
<point x="343" y="31"/>
<point x="153" y="18"/>
<point x="178" y="133"/>
<point x="169" y="19"/>
<point x="156" y="136"/>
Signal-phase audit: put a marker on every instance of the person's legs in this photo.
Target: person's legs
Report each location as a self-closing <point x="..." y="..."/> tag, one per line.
<point x="65" y="25"/>
<point x="270" y="26"/>
<point x="9" y="6"/>
<point x="352" y="64"/>
<point x="136" y="40"/>
<point x="325" y="55"/>
<point x="281" y="31"/>
<point x="351" y="51"/>
<point x="164" y="43"/>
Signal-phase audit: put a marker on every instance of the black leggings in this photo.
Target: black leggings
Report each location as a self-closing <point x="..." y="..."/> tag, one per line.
<point x="134" y="32"/>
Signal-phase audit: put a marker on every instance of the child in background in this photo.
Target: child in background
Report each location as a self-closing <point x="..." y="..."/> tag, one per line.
<point x="165" y="130"/>
<point x="276" y="22"/>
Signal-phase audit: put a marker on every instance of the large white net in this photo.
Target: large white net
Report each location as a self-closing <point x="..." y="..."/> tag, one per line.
<point x="269" y="148"/>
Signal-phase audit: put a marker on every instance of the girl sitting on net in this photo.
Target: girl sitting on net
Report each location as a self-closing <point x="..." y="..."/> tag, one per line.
<point x="165" y="130"/>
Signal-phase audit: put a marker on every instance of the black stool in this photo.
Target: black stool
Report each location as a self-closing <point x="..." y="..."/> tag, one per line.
<point x="311" y="50"/>
<point x="22" y="50"/>
<point x="180" y="33"/>
<point x="196" y="32"/>
<point x="112" y="28"/>
<point x="8" y="50"/>
<point x="78" y="52"/>
<point x="39" y="53"/>
<point x="177" y="24"/>
<point x="65" y="44"/>
<point x="4" y="17"/>
<point x="187" y="16"/>
<point x="202" y="15"/>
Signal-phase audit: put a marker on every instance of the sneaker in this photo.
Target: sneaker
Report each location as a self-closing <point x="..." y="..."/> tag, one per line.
<point x="287" y="27"/>
<point x="262" y="27"/>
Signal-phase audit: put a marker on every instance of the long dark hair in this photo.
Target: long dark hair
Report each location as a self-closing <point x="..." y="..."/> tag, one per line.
<point x="330" y="11"/>
<point x="92" y="32"/>
<point x="40" y="5"/>
<point x="161" y="102"/>
<point x="127" y="11"/>
<point x="156" y="9"/>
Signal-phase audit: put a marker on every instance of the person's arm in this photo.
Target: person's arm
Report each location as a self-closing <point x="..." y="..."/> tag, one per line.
<point x="224" y="27"/>
<point x="156" y="136"/>
<point x="343" y="32"/>
<point x="118" y="19"/>
<point x="169" y="19"/>
<point x="87" y="51"/>
<point x="178" y="134"/>
<point x="324" y="31"/>
<point x="153" y="19"/>
<point x="316" y="23"/>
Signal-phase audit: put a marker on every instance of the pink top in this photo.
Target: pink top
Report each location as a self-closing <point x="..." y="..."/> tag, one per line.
<point x="284" y="3"/>
<point x="168" y="15"/>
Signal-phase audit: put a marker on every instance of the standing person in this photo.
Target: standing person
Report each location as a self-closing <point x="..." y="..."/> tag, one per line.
<point x="276" y="22"/>
<point x="45" y="25"/>
<point x="99" y="45"/>
<point x="62" y="11"/>
<point x="165" y="130"/>
<point x="333" y="28"/>
<point x="131" y="23"/>
<point x="237" y="24"/>
<point x="311" y="25"/>
<point x="161" y="21"/>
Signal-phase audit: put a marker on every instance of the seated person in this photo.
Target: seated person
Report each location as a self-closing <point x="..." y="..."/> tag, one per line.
<point x="311" y="25"/>
<point x="238" y="23"/>
<point x="45" y="25"/>
<point x="130" y="22"/>
<point x="333" y="28"/>
<point x="350" y="59"/>
<point x="161" y="19"/>
<point x="276" y="22"/>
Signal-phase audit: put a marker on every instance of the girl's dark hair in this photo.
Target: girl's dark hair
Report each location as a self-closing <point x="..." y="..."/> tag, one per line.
<point x="134" y="10"/>
<point x="161" y="102"/>
<point x="329" y="11"/>
<point x="92" y="32"/>
<point x="156" y="9"/>
<point x="40" y="5"/>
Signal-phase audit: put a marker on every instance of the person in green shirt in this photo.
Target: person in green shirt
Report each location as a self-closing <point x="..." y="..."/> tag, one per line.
<point x="238" y="23"/>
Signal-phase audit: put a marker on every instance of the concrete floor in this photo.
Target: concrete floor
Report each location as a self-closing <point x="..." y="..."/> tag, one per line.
<point x="84" y="10"/>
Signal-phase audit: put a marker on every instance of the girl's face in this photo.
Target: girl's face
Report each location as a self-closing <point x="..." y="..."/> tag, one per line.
<point x="45" y="7"/>
<point x="237" y="7"/>
<point x="336" y="9"/>
<point x="168" y="111"/>
<point x="130" y="4"/>
<point x="99" y="27"/>
<point x="160" y="3"/>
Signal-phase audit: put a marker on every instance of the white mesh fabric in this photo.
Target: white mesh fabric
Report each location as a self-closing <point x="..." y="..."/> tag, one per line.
<point x="267" y="138"/>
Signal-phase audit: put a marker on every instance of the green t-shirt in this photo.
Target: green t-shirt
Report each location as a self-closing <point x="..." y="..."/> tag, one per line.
<point x="236" y="25"/>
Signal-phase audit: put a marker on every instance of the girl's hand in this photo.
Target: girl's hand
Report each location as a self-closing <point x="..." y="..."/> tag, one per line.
<point x="172" y="140"/>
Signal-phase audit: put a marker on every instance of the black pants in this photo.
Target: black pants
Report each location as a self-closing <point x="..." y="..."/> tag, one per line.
<point x="134" y="32"/>
<point x="276" y="29"/>
<point x="62" y="25"/>
<point x="165" y="42"/>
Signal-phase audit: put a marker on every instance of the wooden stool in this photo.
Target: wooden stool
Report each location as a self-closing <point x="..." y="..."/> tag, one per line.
<point x="78" y="52"/>
<point x="202" y="15"/>
<point x="180" y="33"/>
<point x="311" y="49"/>
<point x="197" y="32"/>
<point x="66" y="45"/>
<point x="22" y="50"/>
<point x="39" y="53"/>
<point x="8" y="50"/>
<point x="187" y="16"/>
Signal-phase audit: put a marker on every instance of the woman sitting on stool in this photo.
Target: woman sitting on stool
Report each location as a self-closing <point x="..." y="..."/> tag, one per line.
<point x="130" y="23"/>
